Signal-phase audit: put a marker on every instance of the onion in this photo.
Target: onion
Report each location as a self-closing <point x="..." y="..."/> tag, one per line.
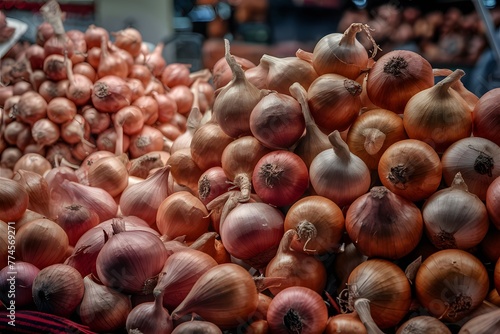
<point x="295" y="268"/>
<point x="110" y="63"/>
<point x="381" y="217"/>
<point x="277" y="121"/>
<point x="31" y="107"/>
<point x="223" y="295"/>
<point x="252" y="232"/>
<point x="396" y="77"/>
<point x="21" y="285"/>
<point x="372" y="133"/>
<point x="337" y="174"/>
<point x="475" y="158"/>
<point x="342" y="53"/>
<point x="58" y="289"/>
<point x="130" y="260"/>
<point x="15" y="200"/>
<point x="61" y="109"/>
<point x="378" y="305"/>
<point x="451" y="283"/>
<point x="280" y="178"/>
<point x="103" y="309"/>
<point x="33" y="162"/>
<point x="334" y="101"/>
<point x="438" y="115"/>
<point x="128" y="39"/>
<point x="410" y="168"/>
<point x="454" y="217"/>
<point x="175" y="74"/>
<point x="297" y="310"/>
<point x="235" y="121"/>
<point x="180" y="272"/>
<point x="486" y="116"/>
<point x="42" y="242"/>
<point x="182" y="214"/>
<point x="55" y="67"/>
<point x="111" y="93"/>
<point x="94" y="35"/>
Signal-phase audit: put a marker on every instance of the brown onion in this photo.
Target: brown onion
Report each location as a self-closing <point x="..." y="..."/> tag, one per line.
<point x="128" y="39"/>
<point x="14" y="200"/>
<point x="486" y="116"/>
<point x="451" y="283"/>
<point x="342" y="53"/>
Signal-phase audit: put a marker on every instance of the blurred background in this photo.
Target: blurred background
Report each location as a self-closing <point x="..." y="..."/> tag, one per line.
<point x="449" y="34"/>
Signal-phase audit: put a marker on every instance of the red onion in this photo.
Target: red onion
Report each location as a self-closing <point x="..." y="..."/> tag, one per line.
<point x="280" y="178"/>
<point x="25" y="274"/>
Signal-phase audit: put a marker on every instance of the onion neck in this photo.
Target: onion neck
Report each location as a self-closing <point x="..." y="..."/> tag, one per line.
<point x="339" y="146"/>
<point x="238" y="73"/>
<point x="374" y="140"/>
<point x="459" y="183"/>
<point x="349" y="37"/>
<point x="444" y="85"/>
<point x="362" y="307"/>
<point x="244" y="183"/>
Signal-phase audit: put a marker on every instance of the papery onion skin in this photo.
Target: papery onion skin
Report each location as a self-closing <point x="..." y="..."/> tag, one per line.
<point x="196" y="326"/>
<point x="319" y="223"/>
<point x="223" y="295"/>
<point x="58" y="289"/>
<point x="252" y="232"/>
<point x="475" y="158"/>
<point x="15" y="200"/>
<point x="25" y="274"/>
<point x="454" y="217"/>
<point x="389" y="302"/>
<point x="182" y="214"/>
<point x="295" y="268"/>
<point x="451" y="283"/>
<point x="383" y="224"/>
<point x="334" y="101"/>
<point x="297" y="310"/>
<point x="341" y="53"/>
<point x="42" y="242"/>
<point x="180" y="271"/>
<point x="103" y="309"/>
<point x="438" y="115"/>
<point x="410" y="168"/>
<point x="280" y="178"/>
<point x="338" y="174"/>
<point x="423" y="324"/>
<point x="493" y="202"/>
<point x="130" y="259"/>
<point x="277" y="121"/>
<point x="372" y="133"/>
<point x="486" y="116"/>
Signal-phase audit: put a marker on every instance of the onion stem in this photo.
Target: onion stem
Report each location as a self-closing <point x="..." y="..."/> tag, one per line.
<point x="362" y="306"/>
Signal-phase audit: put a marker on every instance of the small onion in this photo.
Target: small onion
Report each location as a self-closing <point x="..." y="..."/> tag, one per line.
<point x="21" y="285"/>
